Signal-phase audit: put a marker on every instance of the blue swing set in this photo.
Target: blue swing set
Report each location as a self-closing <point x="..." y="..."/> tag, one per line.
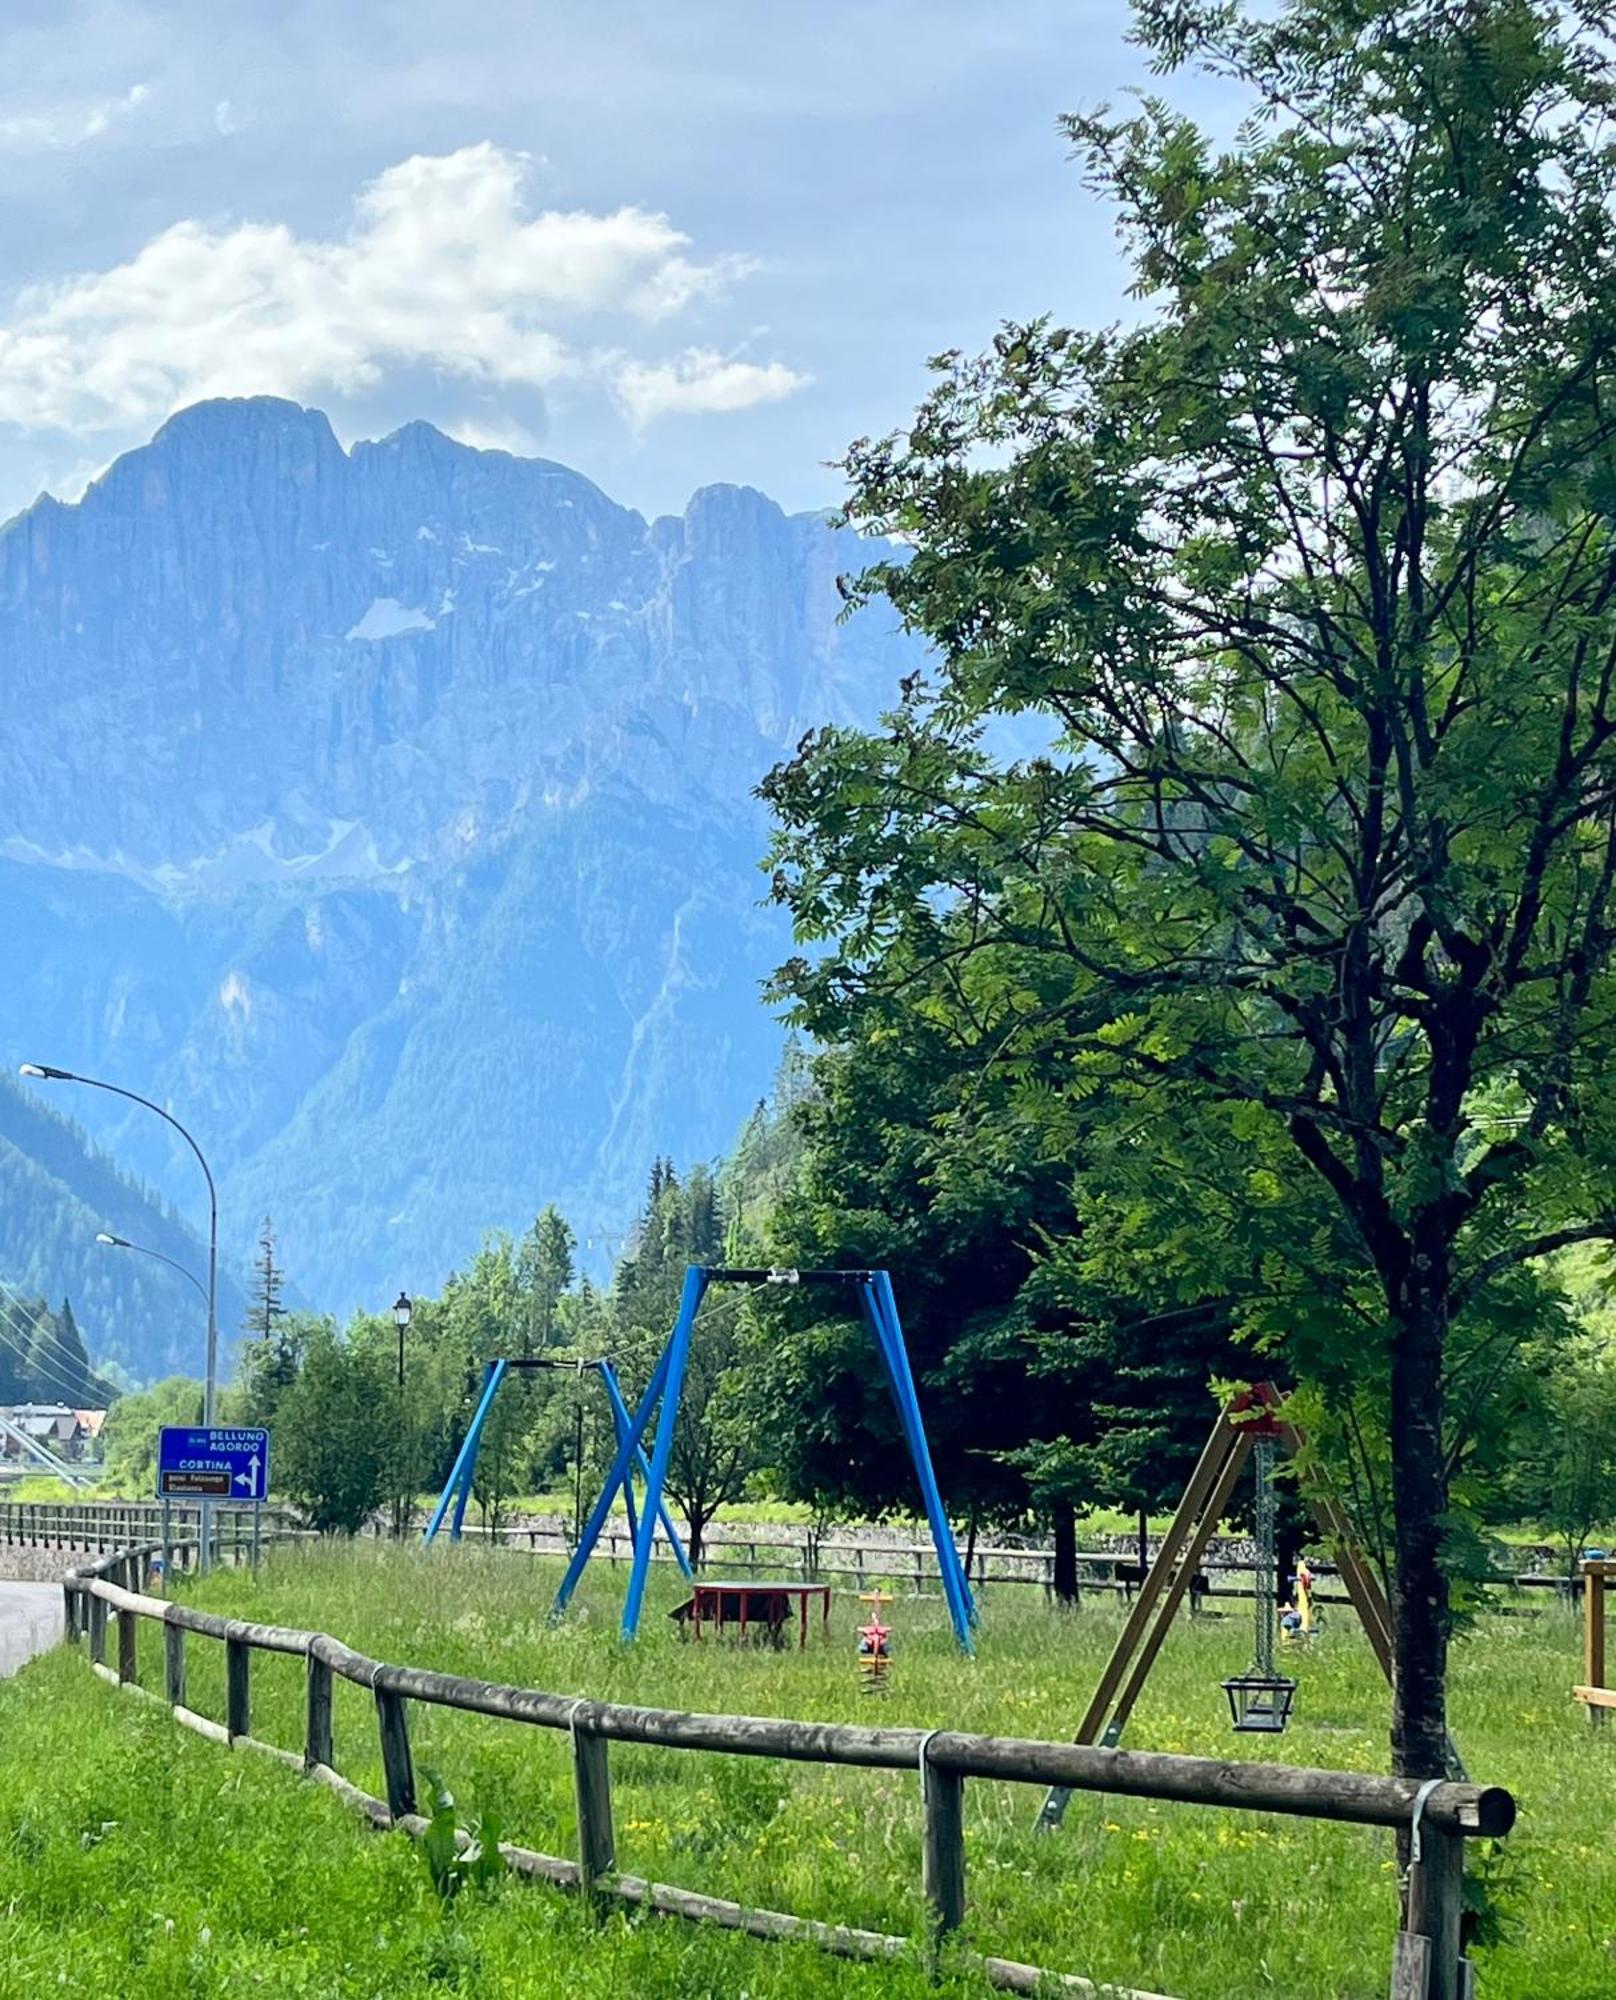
<point x="661" y="1403"/>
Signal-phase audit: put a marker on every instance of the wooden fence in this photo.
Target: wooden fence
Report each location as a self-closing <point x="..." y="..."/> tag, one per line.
<point x="915" y="1563"/>
<point x="100" y="1526"/>
<point x="1595" y="1695"/>
<point x="1439" y="1816"/>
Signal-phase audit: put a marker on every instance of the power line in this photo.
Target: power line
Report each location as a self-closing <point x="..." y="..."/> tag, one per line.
<point x="35" y="1369"/>
<point x="39" y="1330"/>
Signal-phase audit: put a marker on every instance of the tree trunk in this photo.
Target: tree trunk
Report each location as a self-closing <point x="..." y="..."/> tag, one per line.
<point x="1064" y="1520"/>
<point x="695" y="1535"/>
<point x="1420" y="1617"/>
<point x="1144" y="1544"/>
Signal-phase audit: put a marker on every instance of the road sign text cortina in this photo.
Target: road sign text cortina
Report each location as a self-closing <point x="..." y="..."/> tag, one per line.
<point x="211" y="1463"/>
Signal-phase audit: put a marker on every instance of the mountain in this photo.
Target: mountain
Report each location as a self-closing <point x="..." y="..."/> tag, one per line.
<point x="388" y="812"/>
<point x="56" y="1192"/>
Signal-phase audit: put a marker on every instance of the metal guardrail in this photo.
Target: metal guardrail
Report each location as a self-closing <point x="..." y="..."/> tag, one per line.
<point x="1445" y="1814"/>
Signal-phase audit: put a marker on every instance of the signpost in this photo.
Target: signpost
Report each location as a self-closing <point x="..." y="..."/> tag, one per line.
<point x="213" y="1462"/>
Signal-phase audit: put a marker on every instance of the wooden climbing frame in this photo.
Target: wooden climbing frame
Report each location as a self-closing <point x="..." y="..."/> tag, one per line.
<point x="1595" y="1696"/>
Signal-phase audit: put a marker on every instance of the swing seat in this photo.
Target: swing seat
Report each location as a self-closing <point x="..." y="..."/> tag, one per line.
<point x="1260" y="1704"/>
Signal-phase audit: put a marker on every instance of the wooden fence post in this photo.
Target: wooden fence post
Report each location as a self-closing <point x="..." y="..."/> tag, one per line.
<point x="317" y="1740"/>
<point x="592" y="1789"/>
<point x="237" y="1687"/>
<point x="174" y="1664"/>
<point x="394" y="1727"/>
<point x="98" y="1630"/>
<point x="128" y="1664"/>
<point x="1435" y="1905"/>
<point x="70" y="1612"/>
<point x="943" y="1847"/>
<point x="1593" y="1645"/>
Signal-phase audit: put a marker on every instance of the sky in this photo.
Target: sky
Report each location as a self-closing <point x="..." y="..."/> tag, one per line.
<point x="667" y="242"/>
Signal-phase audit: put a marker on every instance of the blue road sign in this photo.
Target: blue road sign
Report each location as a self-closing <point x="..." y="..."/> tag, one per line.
<point x="211" y="1463"/>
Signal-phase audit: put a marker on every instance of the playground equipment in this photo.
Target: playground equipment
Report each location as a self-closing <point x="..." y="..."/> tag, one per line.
<point x="457" y="1490"/>
<point x="1596" y="1698"/>
<point x="1261" y="1699"/>
<point x="874" y="1645"/>
<point x="873" y="1290"/>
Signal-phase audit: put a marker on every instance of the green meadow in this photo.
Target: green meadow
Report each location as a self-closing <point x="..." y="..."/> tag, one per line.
<point x="137" y="1859"/>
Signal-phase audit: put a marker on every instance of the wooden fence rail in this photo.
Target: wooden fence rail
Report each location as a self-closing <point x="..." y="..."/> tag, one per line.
<point x="104" y="1526"/>
<point x="915" y="1563"/>
<point x="1597" y="1698"/>
<point x="1445" y="1814"/>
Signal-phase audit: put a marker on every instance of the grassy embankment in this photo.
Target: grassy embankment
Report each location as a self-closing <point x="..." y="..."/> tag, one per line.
<point x="175" y="1868"/>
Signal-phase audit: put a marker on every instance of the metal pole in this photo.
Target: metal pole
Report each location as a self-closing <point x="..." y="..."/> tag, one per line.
<point x="210" y="1396"/>
<point x="578" y="1461"/>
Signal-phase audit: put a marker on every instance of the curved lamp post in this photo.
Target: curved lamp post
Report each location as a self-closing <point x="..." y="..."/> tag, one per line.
<point x="46" y="1073"/>
<point x="122" y="1243"/>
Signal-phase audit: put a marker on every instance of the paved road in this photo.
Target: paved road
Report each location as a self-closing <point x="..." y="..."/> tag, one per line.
<point x="30" y="1620"/>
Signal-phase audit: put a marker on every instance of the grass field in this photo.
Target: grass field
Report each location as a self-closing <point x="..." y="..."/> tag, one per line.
<point x="106" y="1807"/>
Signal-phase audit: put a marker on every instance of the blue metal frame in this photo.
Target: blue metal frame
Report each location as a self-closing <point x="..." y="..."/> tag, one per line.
<point x="667" y="1380"/>
<point x="457" y="1489"/>
<point x="881" y="1310"/>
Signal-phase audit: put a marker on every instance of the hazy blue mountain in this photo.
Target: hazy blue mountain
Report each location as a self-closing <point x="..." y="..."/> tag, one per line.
<point x="389" y="813"/>
<point x="56" y="1192"/>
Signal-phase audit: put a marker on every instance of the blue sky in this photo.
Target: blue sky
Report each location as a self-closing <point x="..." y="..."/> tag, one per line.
<point x="666" y="243"/>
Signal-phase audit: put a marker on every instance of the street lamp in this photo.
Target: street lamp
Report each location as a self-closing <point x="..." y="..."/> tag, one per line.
<point x="122" y="1243"/>
<point x="402" y="1309"/>
<point x="402" y="1312"/>
<point x="47" y="1073"/>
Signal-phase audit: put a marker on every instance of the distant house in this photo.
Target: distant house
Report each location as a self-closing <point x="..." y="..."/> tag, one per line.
<point x="69" y="1434"/>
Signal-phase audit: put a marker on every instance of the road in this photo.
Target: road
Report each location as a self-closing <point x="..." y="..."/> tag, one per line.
<point x="30" y="1620"/>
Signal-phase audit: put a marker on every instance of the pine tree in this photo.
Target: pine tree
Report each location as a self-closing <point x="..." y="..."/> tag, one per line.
<point x="71" y="1358"/>
<point x="269" y="1282"/>
<point x="274" y="1343"/>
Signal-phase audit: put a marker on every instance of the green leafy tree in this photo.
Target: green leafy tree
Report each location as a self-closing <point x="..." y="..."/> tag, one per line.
<point x="1309" y="579"/>
<point x="483" y="1311"/>
<point x="546" y="1266"/>
<point x="715" y="1449"/>
<point x="333" y="1445"/>
<point x="129" y="1435"/>
<point x="1567" y="1478"/>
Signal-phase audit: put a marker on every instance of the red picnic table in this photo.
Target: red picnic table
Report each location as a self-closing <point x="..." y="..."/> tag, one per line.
<point x="765" y="1604"/>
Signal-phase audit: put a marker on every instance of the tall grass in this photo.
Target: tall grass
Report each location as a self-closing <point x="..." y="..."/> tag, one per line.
<point x="1205" y="1904"/>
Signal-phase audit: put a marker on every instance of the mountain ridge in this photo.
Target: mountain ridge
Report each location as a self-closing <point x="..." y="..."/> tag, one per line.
<point x="390" y="811"/>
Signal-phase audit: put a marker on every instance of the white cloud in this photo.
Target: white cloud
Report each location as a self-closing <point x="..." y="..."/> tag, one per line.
<point x="73" y="123"/>
<point x="442" y="267"/>
<point x="700" y="381"/>
<point x="494" y="434"/>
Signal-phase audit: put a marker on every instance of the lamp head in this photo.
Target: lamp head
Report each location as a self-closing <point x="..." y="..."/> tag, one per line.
<point x="402" y="1309"/>
<point x="45" y="1073"/>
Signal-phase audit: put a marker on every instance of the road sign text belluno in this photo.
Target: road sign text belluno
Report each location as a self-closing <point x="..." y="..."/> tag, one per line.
<point x="212" y="1463"/>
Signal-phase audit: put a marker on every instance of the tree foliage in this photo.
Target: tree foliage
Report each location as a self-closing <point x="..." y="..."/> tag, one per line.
<point x="1309" y="578"/>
